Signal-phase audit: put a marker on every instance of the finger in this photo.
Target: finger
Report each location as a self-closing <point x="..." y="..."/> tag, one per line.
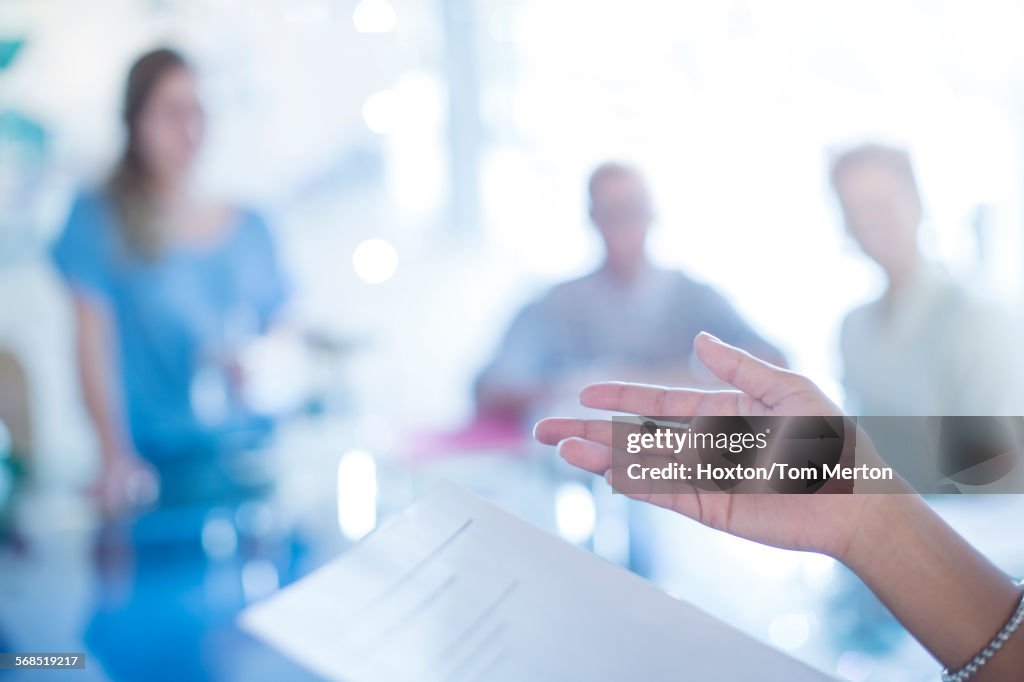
<point x="586" y="455"/>
<point x="653" y="401"/>
<point x="685" y="500"/>
<point x="553" y="430"/>
<point x="615" y="435"/>
<point x="738" y="368"/>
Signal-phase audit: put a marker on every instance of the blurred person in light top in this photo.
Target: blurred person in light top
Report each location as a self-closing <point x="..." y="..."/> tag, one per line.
<point x="629" y="319"/>
<point x="166" y="285"/>
<point x="926" y="346"/>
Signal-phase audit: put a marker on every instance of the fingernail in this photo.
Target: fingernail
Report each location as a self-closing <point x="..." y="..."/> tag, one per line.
<point x="712" y="337"/>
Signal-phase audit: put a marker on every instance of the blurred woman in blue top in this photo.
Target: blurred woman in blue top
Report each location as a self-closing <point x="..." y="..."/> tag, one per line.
<point x="167" y="287"/>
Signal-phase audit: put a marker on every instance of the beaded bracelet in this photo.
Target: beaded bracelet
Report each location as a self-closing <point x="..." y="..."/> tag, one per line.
<point x="968" y="671"/>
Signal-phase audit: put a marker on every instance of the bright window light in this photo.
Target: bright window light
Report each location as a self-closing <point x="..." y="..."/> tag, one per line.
<point x="374" y="16"/>
<point x="375" y="261"/>
<point x="575" y="512"/>
<point x="357" y="494"/>
<point x="381" y="111"/>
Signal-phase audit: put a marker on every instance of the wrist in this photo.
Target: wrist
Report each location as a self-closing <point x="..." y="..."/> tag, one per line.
<point x="115" y="457"/>
<point x="949" y="596"/>
<point x="880" y="528"/>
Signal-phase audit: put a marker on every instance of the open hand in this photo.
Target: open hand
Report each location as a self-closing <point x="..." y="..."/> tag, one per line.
<point x="127" y="482"/>
<point x="823" y="523"/>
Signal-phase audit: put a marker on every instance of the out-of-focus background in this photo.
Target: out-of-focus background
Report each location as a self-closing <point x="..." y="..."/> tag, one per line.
<point x="423" y="168"/>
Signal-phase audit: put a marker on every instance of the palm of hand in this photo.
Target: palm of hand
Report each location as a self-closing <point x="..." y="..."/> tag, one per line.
<point x="818" y="522"/>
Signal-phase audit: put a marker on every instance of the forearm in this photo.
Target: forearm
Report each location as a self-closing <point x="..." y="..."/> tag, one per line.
<point x="96" y="374"/>
<point x="108" y="426"/>
<point x="946" y="593"/>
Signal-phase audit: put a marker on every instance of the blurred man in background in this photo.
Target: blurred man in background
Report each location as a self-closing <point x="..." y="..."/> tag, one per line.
<point x="629" y="319"/>
<point x="915" y="350"/>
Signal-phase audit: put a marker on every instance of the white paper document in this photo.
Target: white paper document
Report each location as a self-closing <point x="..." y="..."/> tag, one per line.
<point x="454" y="588"/>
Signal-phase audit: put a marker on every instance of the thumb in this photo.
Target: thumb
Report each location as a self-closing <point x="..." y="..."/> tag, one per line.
<point x="737" y="367"/>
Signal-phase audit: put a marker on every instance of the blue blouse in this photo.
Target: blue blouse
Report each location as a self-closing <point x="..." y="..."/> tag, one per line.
<point x="172" y="317"/>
